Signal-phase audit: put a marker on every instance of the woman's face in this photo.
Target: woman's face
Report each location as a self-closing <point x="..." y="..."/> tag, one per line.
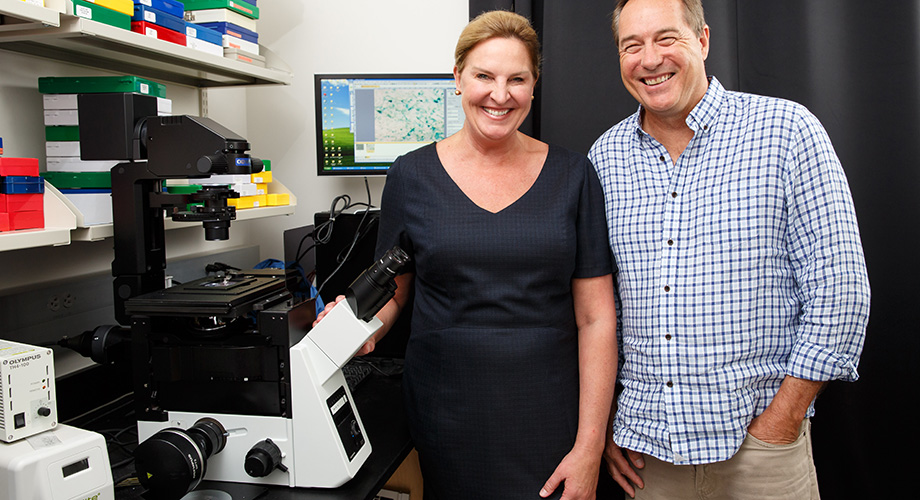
<point x="497" y="83"/>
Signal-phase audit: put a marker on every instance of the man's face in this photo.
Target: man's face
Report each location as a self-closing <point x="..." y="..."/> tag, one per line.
<point x="661" y="58"/>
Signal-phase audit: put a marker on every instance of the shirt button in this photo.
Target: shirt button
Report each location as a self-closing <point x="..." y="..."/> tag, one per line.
<point x="667" y="336"/>
<point x="670" y="243"/>
<point x="667" y="288"/>
<point x="670" y="384"/>
<point x="661" y="158"/>
<point x="674" y="194"/>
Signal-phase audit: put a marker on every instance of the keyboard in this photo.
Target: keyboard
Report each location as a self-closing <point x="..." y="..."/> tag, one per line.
<point x="355" y="372"/>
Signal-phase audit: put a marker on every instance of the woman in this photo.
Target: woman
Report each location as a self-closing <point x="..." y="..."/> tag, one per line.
<point x="511" y="360"/>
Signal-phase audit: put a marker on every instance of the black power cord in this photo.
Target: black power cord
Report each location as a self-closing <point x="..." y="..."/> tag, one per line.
<point x="322" y="234"/>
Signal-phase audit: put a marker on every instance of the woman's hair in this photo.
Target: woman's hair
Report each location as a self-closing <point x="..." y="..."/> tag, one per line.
<point x="498" y="24"/>
<point x="693" y="15"/>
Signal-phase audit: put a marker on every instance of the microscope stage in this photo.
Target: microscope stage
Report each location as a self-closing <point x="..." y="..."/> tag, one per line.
<point x="231" y="295"/>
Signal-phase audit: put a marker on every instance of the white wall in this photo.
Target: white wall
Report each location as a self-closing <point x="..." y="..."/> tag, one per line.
<point x="339" y="36"/>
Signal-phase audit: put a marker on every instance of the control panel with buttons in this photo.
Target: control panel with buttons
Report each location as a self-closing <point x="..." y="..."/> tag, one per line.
<point x="27" y="399"/>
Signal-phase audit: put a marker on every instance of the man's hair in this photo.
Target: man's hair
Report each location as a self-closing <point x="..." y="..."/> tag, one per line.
<point x="693" y="15"/>
<point x="498" y="24"/>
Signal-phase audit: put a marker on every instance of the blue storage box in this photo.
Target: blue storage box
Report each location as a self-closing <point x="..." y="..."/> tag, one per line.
<point x="203" y="33"/>
<point x="171" y="7"/>
<point x="158" y="17"/>
<point x="21" y="184"/>
<point x="233" y="30"/>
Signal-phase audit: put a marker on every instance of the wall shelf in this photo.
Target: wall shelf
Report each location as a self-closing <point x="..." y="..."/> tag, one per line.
<point x="89" y="43"/>
<point x="50" y="33"/>
<point x="64" y="222"/>
<point x="59" y="222"/>
<point x="21" y="15"/>
<point x="102" y="231"/>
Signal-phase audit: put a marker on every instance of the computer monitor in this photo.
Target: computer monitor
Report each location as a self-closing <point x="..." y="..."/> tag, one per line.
<point x="365" y="121"/>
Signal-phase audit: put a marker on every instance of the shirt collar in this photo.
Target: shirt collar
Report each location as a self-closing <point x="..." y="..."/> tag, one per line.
<point x="703" y="115"/>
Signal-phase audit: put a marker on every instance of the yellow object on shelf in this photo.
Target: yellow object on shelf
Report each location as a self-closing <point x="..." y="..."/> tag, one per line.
<point x="279" y="199"/>
<point x="244" y="202"/>
<point x="123" y="6"/>
<point x="262" y="177"/>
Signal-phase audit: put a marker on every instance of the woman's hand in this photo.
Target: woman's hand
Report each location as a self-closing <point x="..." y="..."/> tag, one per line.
<point x="326" y="309"/>
<point x="578" y="470"/>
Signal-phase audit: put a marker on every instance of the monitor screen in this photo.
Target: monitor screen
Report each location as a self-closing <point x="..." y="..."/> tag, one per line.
<point x="364" y="122"/>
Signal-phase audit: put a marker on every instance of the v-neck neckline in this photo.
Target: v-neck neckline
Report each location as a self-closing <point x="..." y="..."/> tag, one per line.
<point x="516" y="201"/>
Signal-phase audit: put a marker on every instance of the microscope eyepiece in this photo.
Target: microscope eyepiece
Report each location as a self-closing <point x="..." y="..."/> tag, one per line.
<point x="376" y="286"/>
<point x="386" y="268"/>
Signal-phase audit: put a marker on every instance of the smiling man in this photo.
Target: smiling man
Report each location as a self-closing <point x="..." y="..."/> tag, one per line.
<point x="742" y="287"/>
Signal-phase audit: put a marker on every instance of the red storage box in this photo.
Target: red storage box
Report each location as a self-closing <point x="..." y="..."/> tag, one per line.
<point x="159" y="32"/>
<point x="19" y="166"/>
<point x="21" y="202"/>
<point x="33" y="219"/>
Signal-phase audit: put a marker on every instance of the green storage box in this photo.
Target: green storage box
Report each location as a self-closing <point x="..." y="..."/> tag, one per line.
<point x="99" y="84"/>
<point x="183" y="189"/>
<point x="100" y="14"/>
<point x="62" y="133"/>
<point x="84" y="180"/>
<point x="243" y="8"/>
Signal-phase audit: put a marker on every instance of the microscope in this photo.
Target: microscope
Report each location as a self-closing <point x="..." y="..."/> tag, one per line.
<point x="268" y="405"/>
<point x="231" y="383"/>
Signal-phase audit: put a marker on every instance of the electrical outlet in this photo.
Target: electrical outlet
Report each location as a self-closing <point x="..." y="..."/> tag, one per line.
<point x="54" y="303"/>
<point x="68" y="300"/>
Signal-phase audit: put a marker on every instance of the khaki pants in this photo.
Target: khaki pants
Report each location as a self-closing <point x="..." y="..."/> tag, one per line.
<point x="759" y="471"/>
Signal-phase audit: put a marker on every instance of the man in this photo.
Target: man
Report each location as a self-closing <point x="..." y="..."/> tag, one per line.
<point x="742" y="286"/>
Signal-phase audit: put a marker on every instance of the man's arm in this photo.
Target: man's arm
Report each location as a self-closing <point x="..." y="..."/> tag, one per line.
<point x="827" y="261"/>
<point x="780" y="422"/>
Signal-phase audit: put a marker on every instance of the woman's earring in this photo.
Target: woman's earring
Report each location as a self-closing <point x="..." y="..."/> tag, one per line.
<point x="457" y="92"/>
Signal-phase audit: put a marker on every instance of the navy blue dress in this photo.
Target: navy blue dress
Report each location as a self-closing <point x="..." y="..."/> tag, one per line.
<point x="491" y="369"/>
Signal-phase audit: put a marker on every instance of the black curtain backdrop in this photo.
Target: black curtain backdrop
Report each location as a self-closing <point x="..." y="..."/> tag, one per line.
<point x="856" y="65"/>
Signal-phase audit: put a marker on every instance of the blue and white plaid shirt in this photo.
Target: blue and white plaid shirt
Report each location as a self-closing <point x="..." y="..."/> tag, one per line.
<point x="738" y="265"/>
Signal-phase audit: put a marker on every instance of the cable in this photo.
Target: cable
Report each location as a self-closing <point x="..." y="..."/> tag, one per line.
<point x="218" y="267"/>
<point x="326" y="229"/>
<point x="113" y="408"/>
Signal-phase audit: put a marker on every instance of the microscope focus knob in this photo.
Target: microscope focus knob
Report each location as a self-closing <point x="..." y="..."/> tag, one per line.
<point x="263" y="458"/>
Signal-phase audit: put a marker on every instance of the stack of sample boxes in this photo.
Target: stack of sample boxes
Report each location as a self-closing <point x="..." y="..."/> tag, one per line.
<point x="253" y="190"/>
<point x="22" y="204"/>
<point x="160" y="19"/>
<point x="201" y="37"/>
<point x="87" y="184"/>
<point x="112" y="12"/>
<point x="235" y="21"/>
